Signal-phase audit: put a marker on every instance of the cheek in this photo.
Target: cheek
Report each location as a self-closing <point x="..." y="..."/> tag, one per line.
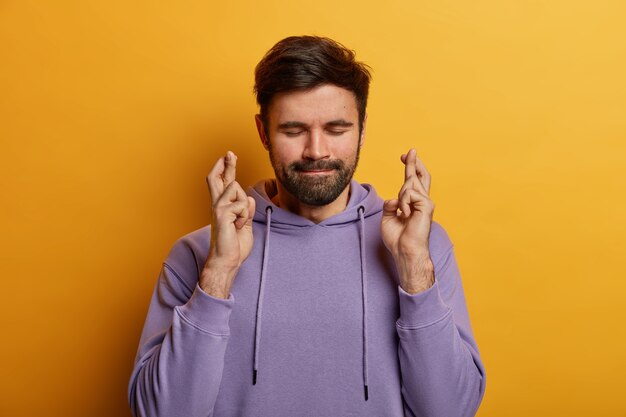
<point x="285" y="154"/>
<point x="347" y="149"/>
<point x="288" y="150"/>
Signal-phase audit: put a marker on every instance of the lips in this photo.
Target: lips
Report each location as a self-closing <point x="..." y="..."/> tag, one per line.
<point x="316" y="166"/>
<point x="317" y="171"/>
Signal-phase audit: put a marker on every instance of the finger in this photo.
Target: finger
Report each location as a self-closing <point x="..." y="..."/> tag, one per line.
<point x="245" y="217"/>
<point x="230" y="168"/>
<point x="216" y="186"/>
<point x="390" y="208"/>
<point x="251" y="208"/>
<point x="413" y="183"/>
<point x="423" y="174"/>
<point x="409" y="164"/>
<point x="404" y="204"/>
<point x="233" y="197"/>
<point x="232" y="193"/>
<point x="243" y="213"/>
<point x="418" y="169"/>
<point x="413" y="200"/>
<point x="235" y="212"/>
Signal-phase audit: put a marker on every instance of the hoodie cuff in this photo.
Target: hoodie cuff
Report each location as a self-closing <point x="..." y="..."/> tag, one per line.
<point x="207" y="313"/>
<point x="421" y="309"/>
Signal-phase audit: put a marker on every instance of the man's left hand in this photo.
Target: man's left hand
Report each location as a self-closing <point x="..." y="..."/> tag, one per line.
<point x="405" y="226"/>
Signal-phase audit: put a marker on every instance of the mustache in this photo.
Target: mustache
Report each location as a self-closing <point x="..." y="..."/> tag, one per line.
<point x="324" y="164"/>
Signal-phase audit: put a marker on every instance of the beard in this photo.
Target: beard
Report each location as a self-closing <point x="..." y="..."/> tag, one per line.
<point x="315" y="190"/>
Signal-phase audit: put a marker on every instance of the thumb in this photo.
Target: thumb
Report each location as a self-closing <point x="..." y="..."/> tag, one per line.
<point x="251" y="209"/>
<point x="390" y="208"/>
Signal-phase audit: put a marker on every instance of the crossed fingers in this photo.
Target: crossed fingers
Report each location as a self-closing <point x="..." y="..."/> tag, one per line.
<point x="414" y="194"/>
<point x="221" y="175"/>
<point x="228" y="199"/>
<point x="414" y="169"/>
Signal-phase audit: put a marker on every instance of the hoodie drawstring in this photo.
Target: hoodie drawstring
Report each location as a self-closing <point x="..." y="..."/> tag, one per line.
<point x="259" y="306"/>
<point x="361" y="210"/>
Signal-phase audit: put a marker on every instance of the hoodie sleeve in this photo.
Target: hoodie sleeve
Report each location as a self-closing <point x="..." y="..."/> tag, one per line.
<point x="179" y="363"/>
<point x="442" y="373"/>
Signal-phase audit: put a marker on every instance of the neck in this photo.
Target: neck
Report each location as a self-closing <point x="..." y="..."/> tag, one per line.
<point x="316" y="214"/>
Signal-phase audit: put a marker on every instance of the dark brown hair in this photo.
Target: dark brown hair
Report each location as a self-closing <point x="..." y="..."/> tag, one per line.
<point x="305" y="62"/>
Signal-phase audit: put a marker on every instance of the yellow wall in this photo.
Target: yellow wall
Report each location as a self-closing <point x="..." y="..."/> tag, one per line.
<point x="113" y="112"/>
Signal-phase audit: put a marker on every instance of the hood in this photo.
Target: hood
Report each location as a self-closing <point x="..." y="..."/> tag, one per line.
<point x="361" y="195"/>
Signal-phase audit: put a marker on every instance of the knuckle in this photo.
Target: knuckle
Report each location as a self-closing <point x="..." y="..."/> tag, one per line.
<point x="234" y="185"/>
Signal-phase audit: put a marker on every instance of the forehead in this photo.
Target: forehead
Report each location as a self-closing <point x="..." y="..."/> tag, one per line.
<point x="317" y="105"/>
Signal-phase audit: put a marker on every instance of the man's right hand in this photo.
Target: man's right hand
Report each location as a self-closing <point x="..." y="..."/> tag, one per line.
<point x="231" y="228"/>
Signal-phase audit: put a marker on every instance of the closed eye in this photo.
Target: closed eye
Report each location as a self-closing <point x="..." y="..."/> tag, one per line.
<point x="335" y="132"/>
<point x="293" y="133"/>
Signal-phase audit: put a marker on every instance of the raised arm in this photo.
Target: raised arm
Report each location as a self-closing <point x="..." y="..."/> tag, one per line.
<point x="442" y="374"/>
<point x="179" y="363"/>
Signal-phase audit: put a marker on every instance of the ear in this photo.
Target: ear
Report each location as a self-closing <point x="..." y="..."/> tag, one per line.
<point x="261" y="129"/>
<point x="362" y="138"/>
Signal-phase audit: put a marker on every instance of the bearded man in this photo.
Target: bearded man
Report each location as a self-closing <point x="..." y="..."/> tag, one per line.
<point x="310" y="295"/>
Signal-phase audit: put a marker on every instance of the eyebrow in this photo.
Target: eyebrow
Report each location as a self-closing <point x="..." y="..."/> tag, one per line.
<point x="291" y="125"/>
<point x="301" y="125"/>
<point x="339" y="123"/>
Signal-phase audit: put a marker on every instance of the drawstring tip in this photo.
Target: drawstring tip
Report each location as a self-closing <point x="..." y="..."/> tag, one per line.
<point x="366" y="394"/>
<point x="254" y="377"/>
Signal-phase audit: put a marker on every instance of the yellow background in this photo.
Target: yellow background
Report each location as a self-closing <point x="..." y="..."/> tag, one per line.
<point x="112" y="113"/>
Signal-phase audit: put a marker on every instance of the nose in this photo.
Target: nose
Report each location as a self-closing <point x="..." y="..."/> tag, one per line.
<point x="316" y="146"/>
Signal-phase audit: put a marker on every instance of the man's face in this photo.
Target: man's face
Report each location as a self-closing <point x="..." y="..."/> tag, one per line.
<point x="314" y="142"/>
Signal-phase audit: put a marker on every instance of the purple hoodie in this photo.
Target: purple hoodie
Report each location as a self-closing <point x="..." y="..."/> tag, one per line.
<point x="316" y="325"/>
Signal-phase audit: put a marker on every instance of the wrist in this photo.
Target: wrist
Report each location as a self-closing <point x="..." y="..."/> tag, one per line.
<point x="216" y="278"/>
<point x="416" y="272"/>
